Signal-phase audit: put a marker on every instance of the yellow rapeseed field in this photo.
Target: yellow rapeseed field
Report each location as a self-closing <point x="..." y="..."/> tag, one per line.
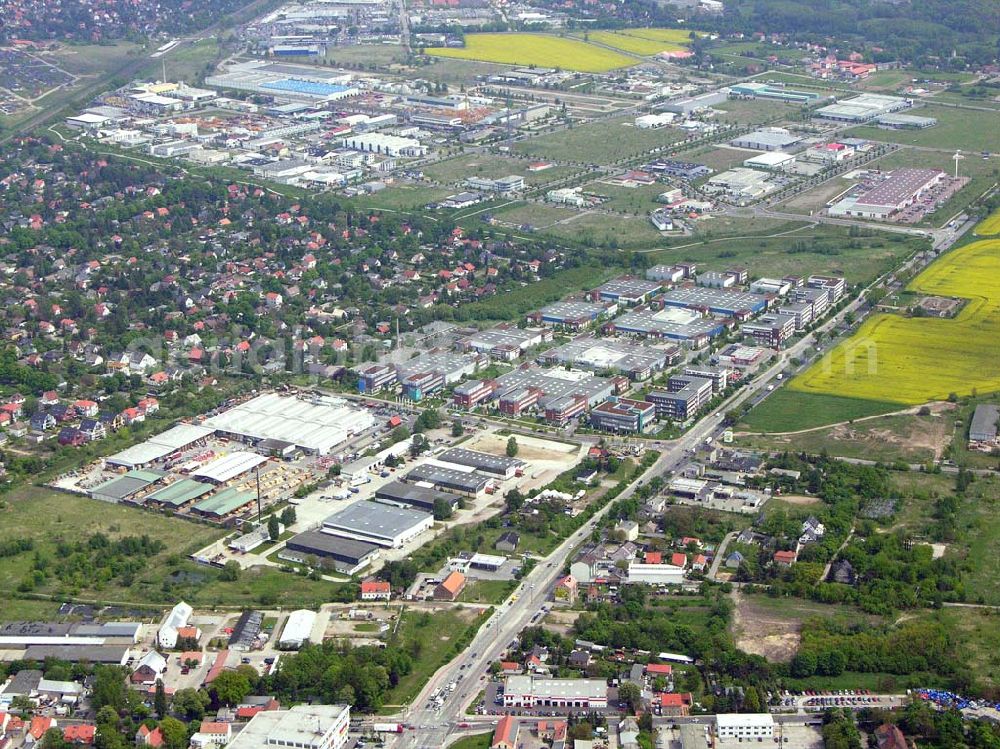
<point x="543" y="50"/>
<point x="915" y="360"/>
<point x="989" y="226"/>
<point x="637" y="45"/>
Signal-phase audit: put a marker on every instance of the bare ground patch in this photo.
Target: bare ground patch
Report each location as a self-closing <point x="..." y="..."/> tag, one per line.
<point x="763" y="633"/>
<point x="799" y="499"/>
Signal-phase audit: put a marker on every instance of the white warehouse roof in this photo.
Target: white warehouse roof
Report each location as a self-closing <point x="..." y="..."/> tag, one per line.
<point x="229" y="466"/>
<point x="160" y="446"/>
<point x="313" y="425"/>
<point x="298" y="628"/>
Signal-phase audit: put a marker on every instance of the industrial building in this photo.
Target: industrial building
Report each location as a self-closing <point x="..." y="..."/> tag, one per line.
<point x="627" y="290"/>
<point x="284" y="81"/>
<point x="115" y="655"/>
<point x="378" y="523"/>
<point x="694" y="103"/>
<point x="419" y="497"/>
<point x="724" y="302"/>
<point x="560" y="395"/>
<point x="505" y="343"/>
<point x="685" y="170"/>
<point x="449" y="478"/>
<point x="771" y="139"/>
<point x="888" y="196"/>
<point x="684" y="397"/>
<point x="227" y="467"/>
<point x="179" y="493"/>
<point x="572" y="315"/>
<point x="315" y="425"/>
<point x="905" y="122"/>
<point x="757" y="90"/>
<point x="175" y="439"/>
<point x="639" y="573"/>
<point x="347" y="555"/>
<point x="473" y="392"/>
<point x="384" y="144"/>
<point x="431" y="372"/>
<point x="529" y="691"/>
<point x="301" y="727"/>
<point x="983" y="428"/>
<point x="863" y="108"/>
<point x="498" y="466"/>
<point x="127" y="486"/>
<point x="166" y="636"/>
<point x="223" y="504"/>
<point x="297" y="630"/>
<point x="740" y="184"/>
<point x="637" y="361"/>
<point x="673" y="323"/>
<point x="623" y="416"/>
<point x="775" y="161"/>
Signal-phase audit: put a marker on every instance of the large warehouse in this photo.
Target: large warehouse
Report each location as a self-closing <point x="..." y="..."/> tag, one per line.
<point x="297" y="629"/>
<point x="415" y="495"/>
<point x="227" y="467"/>
<point x="347" y="555"/>
<point x="176" y="438"/>
<point x="378" y="523"/>
<point x="634" y="359"/>
<point x="281" y="80"/>
<point x="314" y="425"/>
<point x="863" y="108"/>
<point x="448" y="478"/>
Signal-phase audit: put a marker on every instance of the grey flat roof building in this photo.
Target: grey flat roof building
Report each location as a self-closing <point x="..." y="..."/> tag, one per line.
<point x="377" y="523"/>
<point x="463" y="482"/>
<point x="765" y="140"/>
<point x="494" y="465"/>
<point x="114" y="654"/>
<point x="984" y="423"/>
<point x="347" y="554"/>
<point x="418" y="496"/>
<point x="599" y="354"/>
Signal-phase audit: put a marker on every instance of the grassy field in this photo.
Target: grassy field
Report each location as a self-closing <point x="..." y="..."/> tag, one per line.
<point x="190" y="62"/>
<point x="543" y="50"/>
<point x="602" y="142"/>
<point x="968" y="129"/>
<point x="630" y="41"/>
<point x="911" y="438"/>
<point x="460" y="168"/>
<point x="479" y="741"/>
<point x="790" y="410"/>
<point x="978" y="632"/>
<point x="989" y="226"/>
<point x="753" y="112"/>
<point x="403" y="197"/>
<point x="768" y="246"/>
<point x="49" y="518"/>
<point x="487" y="591"/>
<point x="432" y="637"/>
<point x="369" y="55"/>
<point x="595" y="229"/>
<point x="914" y="360"/>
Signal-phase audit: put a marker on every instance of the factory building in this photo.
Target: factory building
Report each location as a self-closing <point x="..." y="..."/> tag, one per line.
<point x="500" y="467"/>
<point x="717" y="301"/>
<point x="863" y="108"/>
<point x="448" y="478"/>
<point x="419" y="497"/>
<point x="378" y="523"/>
<point x="348" y="556"/>
<point x="672" y="323"/>
<point x="627" y="290"/>
<point x="637" y="361"/>
<point x="771" y="139"/>
<point x="572" y="315"/>
<point x="297" y="630"/>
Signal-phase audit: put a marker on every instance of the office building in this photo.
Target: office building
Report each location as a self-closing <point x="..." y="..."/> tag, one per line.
<point x="744" y="725"/>
<point x="623" y="416"/>
<point x="684" y="397"/>
<point x="301" y="727"/>
<point x="530" y="691"/>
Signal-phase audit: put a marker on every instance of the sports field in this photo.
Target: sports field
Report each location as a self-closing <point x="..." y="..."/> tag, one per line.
<point x="914" y="360"/>
<point x="989" y="226"/>
<point x="542" y="50"/>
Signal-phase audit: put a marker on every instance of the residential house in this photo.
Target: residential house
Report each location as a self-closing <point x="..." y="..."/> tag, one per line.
<point x="375" y="590"/>
<point x="784" y="558"/>
<point x="150" y="667"/>
<point x="566" y="589"/>
<point x="508" y="541"/>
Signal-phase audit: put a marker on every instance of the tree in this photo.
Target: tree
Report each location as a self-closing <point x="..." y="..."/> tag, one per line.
<point x="109" y="688"/>
<point x="160" y="700"/>
<point x="631" y="695"/>
<point x="230" y="687"/>
<point x="515" y="500"/>
<point x="288" y="516"/>
<point x="457" y="430"/>
<point x="512" y="447"/>
<point x="53" y="739"/>
<point x="190" y="704"/>
<point x="175" y="734"/>
<point x="230" y="571"/>
<point x="274" y="527"/>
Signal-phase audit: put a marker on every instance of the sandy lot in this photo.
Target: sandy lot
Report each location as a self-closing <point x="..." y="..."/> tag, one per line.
<point x="762" y="633"/>
<point x="799" y="499"/>
<point x="546" y="459"/>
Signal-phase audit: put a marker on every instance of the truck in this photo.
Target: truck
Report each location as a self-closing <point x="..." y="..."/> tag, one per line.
<point x="387" y="727"/>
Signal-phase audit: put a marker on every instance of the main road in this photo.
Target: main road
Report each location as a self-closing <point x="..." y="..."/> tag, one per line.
<point x="432" y="726"/>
